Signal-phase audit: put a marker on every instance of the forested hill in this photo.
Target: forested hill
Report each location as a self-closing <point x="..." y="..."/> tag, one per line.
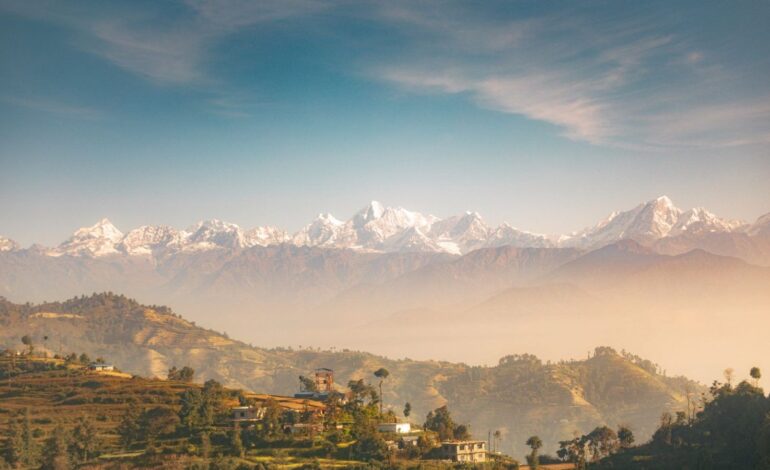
<point x="521" y="396"/>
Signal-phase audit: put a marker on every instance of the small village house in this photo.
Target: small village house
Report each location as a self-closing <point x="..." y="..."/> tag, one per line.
<point x="246" y="413"/>
<point x="464" y="451"/>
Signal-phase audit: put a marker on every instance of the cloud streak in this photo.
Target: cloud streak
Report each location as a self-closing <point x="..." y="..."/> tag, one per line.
<point x="603" y="76"/>
<point x="631" y="83"/>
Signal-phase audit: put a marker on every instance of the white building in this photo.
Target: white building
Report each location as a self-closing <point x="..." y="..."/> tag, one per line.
<point x="247" y="413"/>
<point x="397" y="428"/>
<point x="464" y="451"/>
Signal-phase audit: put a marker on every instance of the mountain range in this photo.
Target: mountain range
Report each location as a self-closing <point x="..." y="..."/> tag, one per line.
<point x="676" y="286"/>
<point x="381" y="229"/>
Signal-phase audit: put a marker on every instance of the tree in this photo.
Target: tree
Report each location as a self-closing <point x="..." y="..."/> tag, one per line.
<point x="205" y="449"/>
<point x="756" y="374"/>
<point x="625" y="436"/>
<point x="574" y="450"/>
<point x="307" y="384"/>
<point x="497" y="435"/>
<point x="407" y="409"/>
<point x="30" y="447"/>
<point x="190" y="413"/>
<point x="535" y="444"/>
<point x="382" y="374"/>
<point x="26" y="340"/>
<point x="128" y="429"/>
<point x="461" y="432"/>
<point x="185" y="374"/>
<point x="371" y="446"/>
<point x="56" y="454"/>
<point x="440" y="421"/>
<point x="15" y="451"/>
<point x="236" y="443"/>
<point x="157" y="422"/>
<point x="603" y="441"/>
<point x="271" y="420"/>
<point x="85" y="440"/>
<point x="728" y="374"/>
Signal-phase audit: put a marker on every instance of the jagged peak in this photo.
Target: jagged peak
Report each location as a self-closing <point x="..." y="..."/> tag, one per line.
<point x="327" y="217"/>
<point x="102" y="228"/>
<point x="6" y="244"/>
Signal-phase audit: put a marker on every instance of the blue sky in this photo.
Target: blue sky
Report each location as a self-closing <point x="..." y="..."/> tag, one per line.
<point x="547" y="115"/>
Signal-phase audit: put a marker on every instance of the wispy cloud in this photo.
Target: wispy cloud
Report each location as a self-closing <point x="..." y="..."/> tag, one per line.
<point x="171" y="50"/>
<point x="52" y="107"/>
<point x="615" y="81"/>
<point x="598" y="76"/>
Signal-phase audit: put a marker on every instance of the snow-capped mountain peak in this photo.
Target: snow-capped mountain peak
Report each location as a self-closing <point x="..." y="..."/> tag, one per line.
<point x="699" y="220"/>
<point x="380" y="228"/>
<point x="100" y="239"/>
<point x="150" y="239"/>
<point x="325" y="230"/>
<point x="369" y="213"/>
<point x="102" y="229"/>
<point x="6" y="244"/>
<point x="649" y="222"/>
<point x="265" y="236"/>
<point x="214" y="233"/>
<point x="505" y="234"/>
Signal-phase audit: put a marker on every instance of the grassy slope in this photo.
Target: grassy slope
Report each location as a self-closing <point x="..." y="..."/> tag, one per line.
<point x="62" y="397"/>
<point x="521" y="397"/>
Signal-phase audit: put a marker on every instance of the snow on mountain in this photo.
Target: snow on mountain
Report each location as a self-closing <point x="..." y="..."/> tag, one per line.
<point x="211" y="234"/>
<point x="6" y="244"/>
<point x="507" y="235"/>
<point x="369" y="213"/>
<point x="265" y="236"/>
<point x="100" y="239"/>
<point x="378" y="228"/>
<point x="325" y="230"/>
<point x="462" y="233"/>
<point x="699" y="221"/>
<point x="150" y="239"/>
<point x="649" y="222"/>
<point x="412" y="240"/>
<point x="644" y="223"/>
<point x="375" y="225"/>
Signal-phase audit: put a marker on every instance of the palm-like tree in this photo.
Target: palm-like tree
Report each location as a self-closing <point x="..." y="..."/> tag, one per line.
<point x="756" y="374"/>
<point x="535" y="443"/>
<point x="382" y="374"/>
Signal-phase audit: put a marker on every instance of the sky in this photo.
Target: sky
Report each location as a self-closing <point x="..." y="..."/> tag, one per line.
<point x="547" y="115"/>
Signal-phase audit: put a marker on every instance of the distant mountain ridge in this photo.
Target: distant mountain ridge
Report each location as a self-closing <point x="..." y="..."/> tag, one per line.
<point x="521" y="395"/>
<point x="380" y="229"/>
